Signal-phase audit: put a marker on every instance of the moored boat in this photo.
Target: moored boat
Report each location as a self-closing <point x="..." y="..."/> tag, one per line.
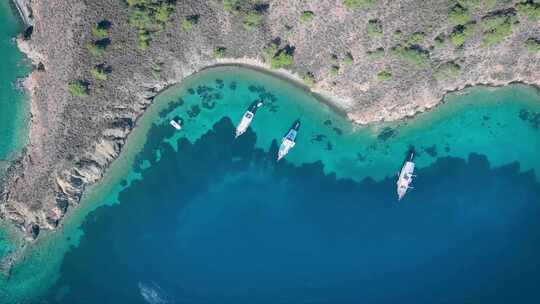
<point x="288" y="141"/>
<point x="176" y="123"/>
<point x="405" y="177"/>
<point x="247" y="118"/>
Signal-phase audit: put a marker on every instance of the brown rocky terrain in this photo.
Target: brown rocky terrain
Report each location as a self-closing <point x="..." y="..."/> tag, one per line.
<point x="375" y="70"/>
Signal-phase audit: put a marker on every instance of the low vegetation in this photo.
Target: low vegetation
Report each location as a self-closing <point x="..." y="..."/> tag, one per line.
<point x="101" y="30"/>
<point x="413" y="55"/>
<point x="189" y="22"/>
<point x="96" y="49"/>
<point x="531" y="9"/>
<point x="384" y="75"/>
<point x="440" y="40"/>
<point x="219" y="52"/>
<point x="334" y="70"/>
<point x="461" y="33"/>
<point x="149" y="17"/>
<point x="497" y="27"/>
<point x="250" y="11"/>
<point x="78" y="88"/>
<point x="459" y="14"/>
<point x="447" y="70"/>
<point x="99" y="73"/>
<point x="306" y="16"/>
<point x="348" y="59"/>
<point x="309" y="79"/>
<point x="417" y="38"/>
<point x="278" y="58"/>
<point x="533" y="45"/>
<point x="354" y="4"/>
<point x="374" y="28"/>
<point x="376" y="54"/>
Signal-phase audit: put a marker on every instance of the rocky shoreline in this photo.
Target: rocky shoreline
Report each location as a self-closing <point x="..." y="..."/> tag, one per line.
<point x="73" y="140"/>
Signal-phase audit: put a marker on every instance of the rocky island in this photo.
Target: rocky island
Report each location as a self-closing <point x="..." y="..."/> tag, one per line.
<point x="99" y="64"/>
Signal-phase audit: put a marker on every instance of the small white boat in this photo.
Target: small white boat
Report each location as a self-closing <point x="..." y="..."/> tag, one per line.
<point x="176" y="124"/>
<point x="405" y="177"/>
<point x="247" y="118"/>
<point x="288" y="141"/>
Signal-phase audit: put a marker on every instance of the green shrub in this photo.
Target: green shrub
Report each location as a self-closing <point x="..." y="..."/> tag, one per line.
<point x="78" y="88"/>
<point x="533" y="45"/>
<point x="251" y="20"/>
<point x="219" y="52"/>
<point x="101" y="30"/>
<point x="309" y="79"/>
<point x="270" y="51"/>
<point x="416" y="38"/>
<point x="470" y="3"/>
<point x="149" y="17"/>
<point x="439" y="40"/>
<point x="189" y="22"/>
<point x="531" y="9"/>
<point x="281" y="60"/>
<point x="496" y="28"/>
<point x="334" y="70"/>
<point x="398" y="35"/>
<point x="306" y="16"/>
<point x="376" y="54"/>
<point x="99" y="73"/>
<point x="333" y="59"/>
<point x="447" y="70"/>
<point x="415" y="56"/>
<point x="97" y="50"/>
<point x="459" y="14"/>
<point x="348" y="59"/>
<point x="462" y="33"/>
<point x="374" y="28"/>
<point x="384" y="75"/>
<point x="354" y="4"/>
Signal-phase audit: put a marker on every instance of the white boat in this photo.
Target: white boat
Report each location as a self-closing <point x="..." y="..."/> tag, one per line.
<point x="288" y="141"/>
<point x="247" y="118"/>
<point x="176" y="124"/>
<point x="405" y="177"/>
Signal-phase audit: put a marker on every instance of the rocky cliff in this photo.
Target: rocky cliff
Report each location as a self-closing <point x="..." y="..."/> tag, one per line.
<point x="381" y="60"/>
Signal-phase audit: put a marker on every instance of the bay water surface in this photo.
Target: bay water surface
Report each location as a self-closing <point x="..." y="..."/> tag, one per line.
<point x="195" y="216"/>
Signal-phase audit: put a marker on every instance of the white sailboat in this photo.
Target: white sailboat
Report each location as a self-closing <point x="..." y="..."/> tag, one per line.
<point x="405" y="177"/>
<point x="247" y="118"/>
<point x="288" y="141"/>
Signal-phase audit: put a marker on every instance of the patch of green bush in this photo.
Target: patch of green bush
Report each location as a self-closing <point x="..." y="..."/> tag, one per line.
<point x="376" y="54"/>
<point x="252" y="20"/>
<point x="471" y="4"/>
<point x="439" y="40"/>
<point x="149" y="17"/>
<point x="348" y="59"/>
<point x="497" y="27"/>
<point x="97" y="50"/>
<point x="354" y="4"/>
<point x="189" y="22"/>
<point x="99" y="73"/>
<point x="101" y="30"/>
<point x="334" y="70"/>
<point x="278" y="58"/>
<point x="533" y="45"/>
<point x="416" y="38"/>
<point x="413" y="55"/>
<point x="309" y="79"/>
<point x="306" y="16"/>
<point x="78" y="88"/>
<point x="219" y="52"/>
<point x="459" y="14"/>
<point x="461" y="33"/>
<point x="250" y="11"/>
<point x="374" y="28"/>
<point x="531" y="9"/>
<point x="447" y="70"/>
<point x="384" y="75"/>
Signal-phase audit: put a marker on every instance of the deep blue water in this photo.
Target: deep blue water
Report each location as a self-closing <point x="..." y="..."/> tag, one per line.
<point x="221" y="222"/>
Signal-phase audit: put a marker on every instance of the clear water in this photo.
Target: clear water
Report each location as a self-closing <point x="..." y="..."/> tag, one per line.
<point x="13" y="107"/>
<point x="12" y="102"/>
<point x="198" y="217"/>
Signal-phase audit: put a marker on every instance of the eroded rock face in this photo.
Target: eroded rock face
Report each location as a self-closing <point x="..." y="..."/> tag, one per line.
<point x="73" y="140"/>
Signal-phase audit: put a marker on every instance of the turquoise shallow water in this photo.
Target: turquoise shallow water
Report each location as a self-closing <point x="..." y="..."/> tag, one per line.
<point x="198" y="217"/>
<point x="12" y="103"/>
<point x="13" y="107"/>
